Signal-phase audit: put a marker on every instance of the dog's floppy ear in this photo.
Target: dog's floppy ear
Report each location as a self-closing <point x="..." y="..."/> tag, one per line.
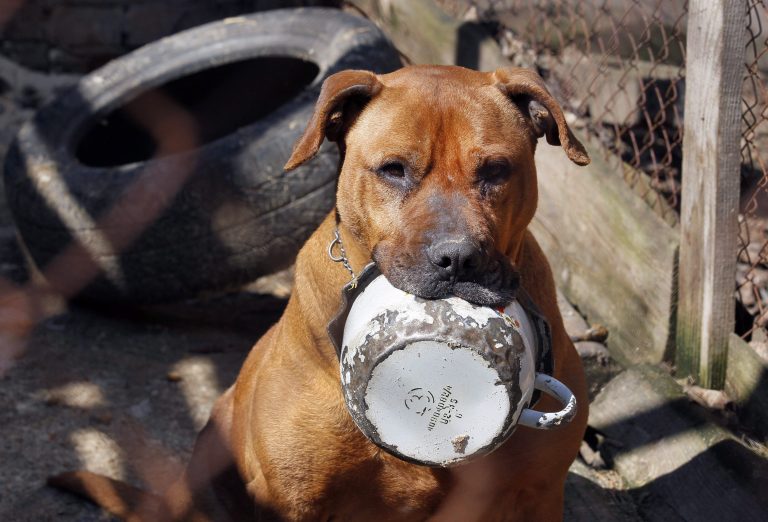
<point x="546" y="115"/>
<point x="329" y="118"/>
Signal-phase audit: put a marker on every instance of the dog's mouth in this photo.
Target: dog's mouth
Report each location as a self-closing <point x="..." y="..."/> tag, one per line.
<point x="494" y="283"/>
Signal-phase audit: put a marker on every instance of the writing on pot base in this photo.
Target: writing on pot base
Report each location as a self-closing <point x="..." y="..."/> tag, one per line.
<point x="445" y="410"/>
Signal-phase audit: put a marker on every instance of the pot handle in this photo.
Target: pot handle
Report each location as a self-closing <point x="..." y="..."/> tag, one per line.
<point x="548" y="420"/>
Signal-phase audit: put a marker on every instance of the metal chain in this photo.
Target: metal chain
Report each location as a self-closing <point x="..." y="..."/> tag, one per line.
<point x="342" y="258"/>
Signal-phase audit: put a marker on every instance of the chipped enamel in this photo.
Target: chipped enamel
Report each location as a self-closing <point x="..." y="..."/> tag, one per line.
<point x="548" y="420"/>
<point x="439" y="403"/>
<point x="380" y="296"/>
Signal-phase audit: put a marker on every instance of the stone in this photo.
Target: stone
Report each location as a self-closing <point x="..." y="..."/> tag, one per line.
<point x="574" y="322"/>
<point x="682" y="465"/>
<point x="761" y="348"/>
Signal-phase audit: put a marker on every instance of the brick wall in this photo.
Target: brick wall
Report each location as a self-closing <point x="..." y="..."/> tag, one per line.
<point x="79" y="35"/>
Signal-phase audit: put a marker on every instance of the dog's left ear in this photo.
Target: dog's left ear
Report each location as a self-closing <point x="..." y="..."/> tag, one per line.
<point x="332" y="111"/>
<point x="546" y="115"/>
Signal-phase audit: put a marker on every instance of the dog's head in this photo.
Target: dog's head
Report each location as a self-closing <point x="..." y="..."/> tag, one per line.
<point x="438" y="179"/>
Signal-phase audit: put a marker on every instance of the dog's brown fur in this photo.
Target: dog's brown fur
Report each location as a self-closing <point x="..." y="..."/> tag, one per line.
<point x="280" y="443"/>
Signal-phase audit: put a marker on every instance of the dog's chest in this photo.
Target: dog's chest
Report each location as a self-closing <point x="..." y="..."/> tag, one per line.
<point x="343" y="476"/>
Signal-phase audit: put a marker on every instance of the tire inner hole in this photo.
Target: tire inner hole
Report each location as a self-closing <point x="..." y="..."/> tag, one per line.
<point x="220" y="100"/>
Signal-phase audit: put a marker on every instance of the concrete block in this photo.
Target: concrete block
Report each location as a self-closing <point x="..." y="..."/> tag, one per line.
<point x="574" y="322"/>
<point x="616" y="98"/>
<point x="747" y="383"/>
<point x="679" y="464"/>
<point x="619" y="92"/>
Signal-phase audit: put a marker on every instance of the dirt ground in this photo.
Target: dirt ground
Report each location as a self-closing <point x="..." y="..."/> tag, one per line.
<point x="117" y="392"/>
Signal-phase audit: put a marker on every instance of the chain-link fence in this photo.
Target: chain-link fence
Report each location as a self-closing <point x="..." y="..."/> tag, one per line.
<point x="752" y="268"/>
<point x="619" y="67"/>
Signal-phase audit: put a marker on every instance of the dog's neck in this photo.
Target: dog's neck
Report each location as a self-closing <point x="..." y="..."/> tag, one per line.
<point x="320" y="291"/>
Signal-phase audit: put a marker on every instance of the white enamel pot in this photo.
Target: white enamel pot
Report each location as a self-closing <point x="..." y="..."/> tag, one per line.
<point x="436" y="382"/>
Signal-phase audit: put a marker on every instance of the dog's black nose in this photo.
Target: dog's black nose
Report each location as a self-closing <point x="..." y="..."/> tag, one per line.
<point x="454" y="257"/>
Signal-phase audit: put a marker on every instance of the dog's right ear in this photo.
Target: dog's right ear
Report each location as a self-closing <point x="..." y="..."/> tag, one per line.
<point x="333" y="112"/>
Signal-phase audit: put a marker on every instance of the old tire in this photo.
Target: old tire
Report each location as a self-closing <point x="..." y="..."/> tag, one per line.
<point x="74" y="174"/>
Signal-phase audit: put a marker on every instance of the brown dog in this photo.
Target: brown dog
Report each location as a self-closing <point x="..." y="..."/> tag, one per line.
<point x="437" y="185"/>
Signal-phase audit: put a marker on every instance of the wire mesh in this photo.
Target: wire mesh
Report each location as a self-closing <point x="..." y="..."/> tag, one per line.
<point x="619" y="68"/>
<point x="752" y="267"/>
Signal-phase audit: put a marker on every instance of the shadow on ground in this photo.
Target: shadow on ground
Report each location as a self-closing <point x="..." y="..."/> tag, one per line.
<point x="122" y="392"/>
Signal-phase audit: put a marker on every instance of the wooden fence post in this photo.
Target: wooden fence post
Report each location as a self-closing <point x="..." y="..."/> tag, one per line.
<point x="710" y="199"/>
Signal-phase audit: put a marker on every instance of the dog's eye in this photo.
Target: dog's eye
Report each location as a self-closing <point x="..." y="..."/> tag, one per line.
<point x="392" y="169"/>
<point x="494" y="172"/>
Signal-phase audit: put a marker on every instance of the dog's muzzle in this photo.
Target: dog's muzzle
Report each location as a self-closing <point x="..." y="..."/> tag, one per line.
<point x="436" y="382"/>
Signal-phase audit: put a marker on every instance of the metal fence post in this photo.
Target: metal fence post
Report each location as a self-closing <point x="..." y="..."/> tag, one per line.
<point x="710" y="190"/>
